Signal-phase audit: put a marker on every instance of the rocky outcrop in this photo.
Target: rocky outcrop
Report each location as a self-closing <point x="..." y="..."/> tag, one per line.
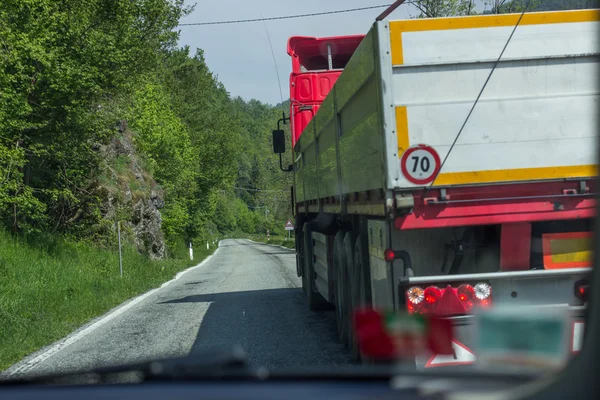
<point x="130" y="194"/>
<point x="146" y="224"/>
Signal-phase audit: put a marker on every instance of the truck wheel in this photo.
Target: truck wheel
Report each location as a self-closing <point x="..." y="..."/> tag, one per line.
<point x="340" y="287"/>
<point x="351" y="299"/>
<point x="315" y="300"/>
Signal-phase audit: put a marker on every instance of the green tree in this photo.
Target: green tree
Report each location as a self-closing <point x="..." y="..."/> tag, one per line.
<point x="443" y="8"/>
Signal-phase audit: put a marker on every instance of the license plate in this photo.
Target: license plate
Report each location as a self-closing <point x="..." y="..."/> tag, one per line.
<point x="517" y="337"/>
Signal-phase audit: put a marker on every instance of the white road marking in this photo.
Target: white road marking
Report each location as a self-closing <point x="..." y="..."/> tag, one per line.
<point x="27" y="365"/>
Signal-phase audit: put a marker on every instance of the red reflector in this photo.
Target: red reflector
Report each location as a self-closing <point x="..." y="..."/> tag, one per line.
<point x="450" y="304"/>
<point x="389" y="255"/>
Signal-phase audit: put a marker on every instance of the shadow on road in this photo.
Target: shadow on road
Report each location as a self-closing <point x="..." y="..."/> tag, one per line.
<point x="274" y="327"/>
<point x="287" y="253"/>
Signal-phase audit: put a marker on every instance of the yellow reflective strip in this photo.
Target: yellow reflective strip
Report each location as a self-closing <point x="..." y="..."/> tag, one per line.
<point x="402" y="129"/>
<point x="523" y="174"/>
<point x="396" y="46"/>
<point x="485" y="21"/>
<point x="571" y="250"/>
<point x="480" y="21"/>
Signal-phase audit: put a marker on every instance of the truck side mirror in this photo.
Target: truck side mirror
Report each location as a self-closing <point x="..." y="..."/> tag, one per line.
<point x="278" y="141"/>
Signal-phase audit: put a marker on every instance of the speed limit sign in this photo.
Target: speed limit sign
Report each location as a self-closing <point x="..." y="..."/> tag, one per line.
<point x="420" y="164"/>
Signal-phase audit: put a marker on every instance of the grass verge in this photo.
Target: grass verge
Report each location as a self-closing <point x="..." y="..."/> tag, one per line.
<point x="49" y="290"/>
<point x="276" y="240"/>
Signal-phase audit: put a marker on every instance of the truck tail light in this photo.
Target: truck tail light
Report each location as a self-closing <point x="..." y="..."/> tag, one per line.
<point x="483" y="291"/>
<point x="432" y="294"/>
<point x="465" y="292"/>
<point x="415" y="295"/>
<point x="432" y="300"/>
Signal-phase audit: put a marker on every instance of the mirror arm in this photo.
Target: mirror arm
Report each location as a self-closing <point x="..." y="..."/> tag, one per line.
<point x="284" y="119"/>
<point x="288" y="169"/>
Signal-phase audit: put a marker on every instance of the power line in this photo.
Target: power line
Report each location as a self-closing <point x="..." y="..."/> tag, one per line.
<point x="239" y="21"/>
<point x="480" y="93"/>
<point x="274" y="61"/>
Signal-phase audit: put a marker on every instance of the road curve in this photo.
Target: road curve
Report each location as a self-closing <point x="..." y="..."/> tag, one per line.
<point x="247" y="294"/>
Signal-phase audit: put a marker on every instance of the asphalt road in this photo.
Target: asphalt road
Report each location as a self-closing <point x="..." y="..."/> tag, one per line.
<point x="247" y="294"/>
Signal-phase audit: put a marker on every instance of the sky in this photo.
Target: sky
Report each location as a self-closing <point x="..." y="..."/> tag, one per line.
<point x="240" y="55"/>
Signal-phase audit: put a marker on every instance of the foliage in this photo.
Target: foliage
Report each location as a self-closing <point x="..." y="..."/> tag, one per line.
<point x="71" y="71"/>
<point x="62" y="63"/>
<point x="51" y="286"/>
<point x="448" y="8"/>
<point x="443" y="8"/>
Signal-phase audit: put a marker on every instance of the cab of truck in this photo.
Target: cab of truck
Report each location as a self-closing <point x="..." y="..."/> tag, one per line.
<point x="316" y="65"/>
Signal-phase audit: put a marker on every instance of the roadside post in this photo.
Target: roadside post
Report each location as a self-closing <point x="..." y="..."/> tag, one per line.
<point x="120" y="255"/>
<point x="191" y="252"/>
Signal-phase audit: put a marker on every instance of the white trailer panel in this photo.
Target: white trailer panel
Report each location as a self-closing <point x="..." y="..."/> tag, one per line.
<point x="537" y="118"/>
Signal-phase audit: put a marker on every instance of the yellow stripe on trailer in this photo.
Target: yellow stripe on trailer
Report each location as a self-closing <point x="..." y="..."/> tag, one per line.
<point x="517" y="175"/>
<point x="480" y="21"/>
<point x="402" y="129"/>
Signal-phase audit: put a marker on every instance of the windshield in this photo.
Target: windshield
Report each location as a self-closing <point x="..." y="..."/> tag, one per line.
<point x="433" y="177"/>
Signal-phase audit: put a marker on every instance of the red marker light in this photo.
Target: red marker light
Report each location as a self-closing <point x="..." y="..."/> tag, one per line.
<point x="389" y="255"/>
<point x="582" y="289"/>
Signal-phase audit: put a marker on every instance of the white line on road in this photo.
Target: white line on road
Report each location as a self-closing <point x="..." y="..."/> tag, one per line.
<point x="32" y="362"/>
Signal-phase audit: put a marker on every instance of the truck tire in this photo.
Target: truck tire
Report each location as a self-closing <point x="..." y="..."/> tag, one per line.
<point x="351" y="299"/>
<point x="315" y="300"/>
<point x="340" y="287"/>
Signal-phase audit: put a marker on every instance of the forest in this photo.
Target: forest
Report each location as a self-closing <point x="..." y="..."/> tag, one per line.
<point x="104" y="119"/>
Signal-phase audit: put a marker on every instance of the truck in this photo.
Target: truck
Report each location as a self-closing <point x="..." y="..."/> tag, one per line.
<point x="443" y="165"/>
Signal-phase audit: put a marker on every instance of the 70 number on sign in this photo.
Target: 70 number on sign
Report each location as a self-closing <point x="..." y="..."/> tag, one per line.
<point x="420" y="164"/>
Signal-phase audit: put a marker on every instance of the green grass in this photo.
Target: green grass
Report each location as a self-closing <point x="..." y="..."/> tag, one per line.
<point x="50" y="288"/>
<point x="276" y="240"/>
